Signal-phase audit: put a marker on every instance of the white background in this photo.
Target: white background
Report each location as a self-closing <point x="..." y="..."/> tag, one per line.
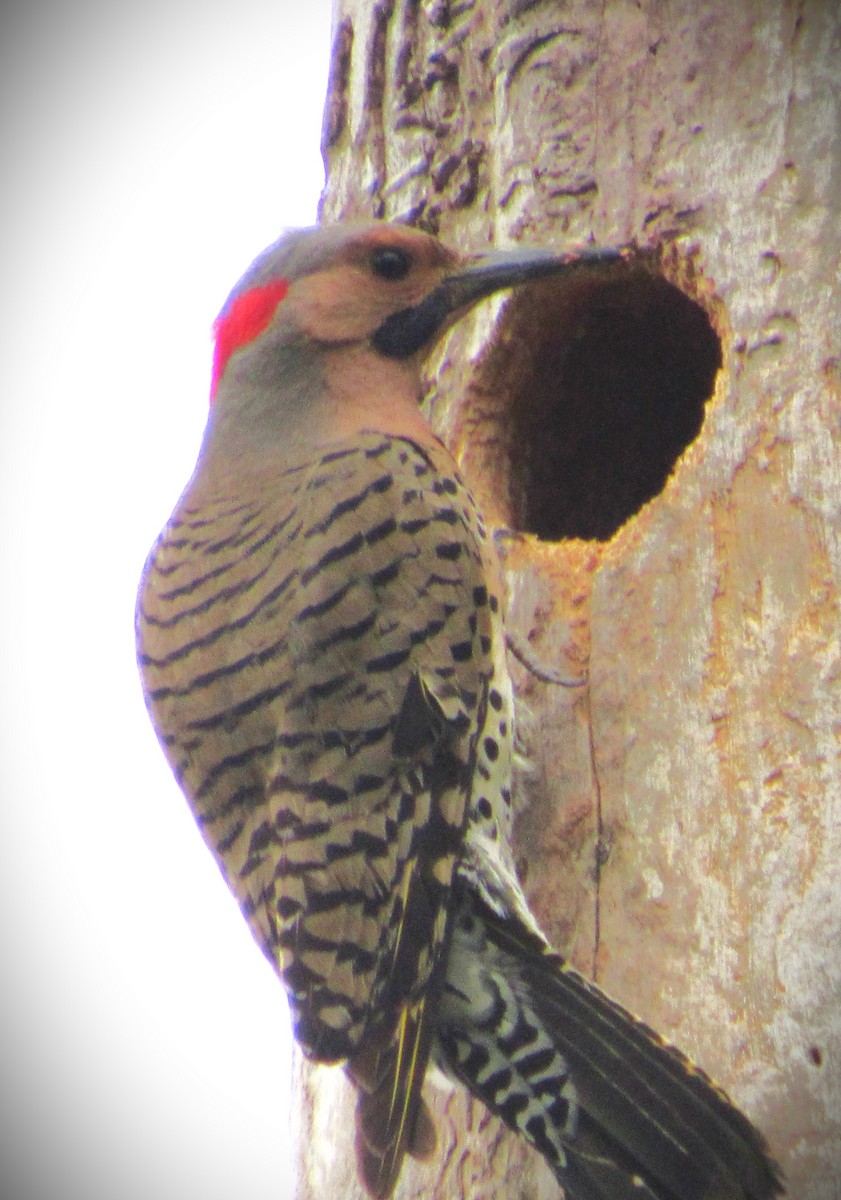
<point x="149" y="152"/>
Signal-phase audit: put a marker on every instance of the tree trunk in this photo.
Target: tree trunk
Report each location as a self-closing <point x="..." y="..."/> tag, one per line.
<point x="662" y="446"/>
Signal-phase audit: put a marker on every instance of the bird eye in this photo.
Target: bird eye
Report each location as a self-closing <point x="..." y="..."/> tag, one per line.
<point x="391" y="263"/>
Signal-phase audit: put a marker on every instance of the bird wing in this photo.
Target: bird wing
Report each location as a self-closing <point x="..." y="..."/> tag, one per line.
<point x="316" y="643"/>
<point x="394" y="661"/>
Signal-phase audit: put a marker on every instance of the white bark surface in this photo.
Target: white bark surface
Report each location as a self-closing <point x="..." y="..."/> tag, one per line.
<point x="681" y="829"/>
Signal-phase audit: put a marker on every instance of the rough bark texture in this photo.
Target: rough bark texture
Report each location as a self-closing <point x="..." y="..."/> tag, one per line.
<point x="676" y="524"/>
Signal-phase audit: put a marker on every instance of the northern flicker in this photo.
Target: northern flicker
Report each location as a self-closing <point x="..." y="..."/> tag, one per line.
<point x="322" y="651"/>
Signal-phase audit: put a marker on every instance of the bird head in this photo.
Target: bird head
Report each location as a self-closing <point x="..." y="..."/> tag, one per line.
<point x="322" y="336"/>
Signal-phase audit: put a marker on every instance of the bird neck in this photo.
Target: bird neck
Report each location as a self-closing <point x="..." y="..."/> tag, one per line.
<point x="366" y="392"/>
<point x="287" y="404"/>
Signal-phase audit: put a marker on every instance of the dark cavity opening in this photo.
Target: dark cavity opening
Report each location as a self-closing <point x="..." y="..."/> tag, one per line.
<point x="604" y="377"/>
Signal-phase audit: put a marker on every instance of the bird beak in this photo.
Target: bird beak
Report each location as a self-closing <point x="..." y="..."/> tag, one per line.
<point x="510" y="268"/>
<point x="405" y="332"/>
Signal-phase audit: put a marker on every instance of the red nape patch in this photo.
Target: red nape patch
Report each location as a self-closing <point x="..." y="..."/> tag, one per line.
<point x="247" y="316"/>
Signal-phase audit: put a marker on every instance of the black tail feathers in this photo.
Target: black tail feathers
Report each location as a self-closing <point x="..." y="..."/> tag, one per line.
<point x="619" y="1114"/>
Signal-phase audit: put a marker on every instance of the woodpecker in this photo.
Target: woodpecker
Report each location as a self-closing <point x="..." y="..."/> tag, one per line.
<point x="322" y="651"/>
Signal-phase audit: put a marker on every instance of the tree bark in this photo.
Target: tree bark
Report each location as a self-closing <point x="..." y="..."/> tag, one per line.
<point x="662" y="446"/>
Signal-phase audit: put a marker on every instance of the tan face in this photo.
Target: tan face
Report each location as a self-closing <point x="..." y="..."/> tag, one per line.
<point x="375" y="274"/>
